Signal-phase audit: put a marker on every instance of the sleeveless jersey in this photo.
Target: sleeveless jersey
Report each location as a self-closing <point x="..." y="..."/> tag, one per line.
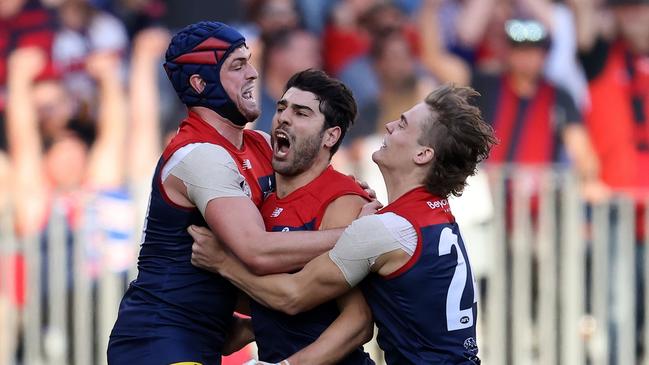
<point x="279" y="335"/>
<point x="171" y="299"/>
<point x="426" y="311"/>
<point x="618" y="118"/>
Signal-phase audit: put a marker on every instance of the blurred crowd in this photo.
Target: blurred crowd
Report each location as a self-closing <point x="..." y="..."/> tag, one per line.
<point x="85" y="107"/>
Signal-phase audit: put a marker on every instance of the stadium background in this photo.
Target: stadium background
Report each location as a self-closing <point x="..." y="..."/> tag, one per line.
<point x="557" y="243"/>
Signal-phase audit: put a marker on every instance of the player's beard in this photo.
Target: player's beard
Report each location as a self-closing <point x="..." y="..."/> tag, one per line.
<point x="304" y="154"/>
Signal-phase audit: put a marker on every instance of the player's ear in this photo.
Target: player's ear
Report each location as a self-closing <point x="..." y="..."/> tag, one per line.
<point x="331" y="136"/>
<point x="197" y="83"/>
<point x="424" y="155"/>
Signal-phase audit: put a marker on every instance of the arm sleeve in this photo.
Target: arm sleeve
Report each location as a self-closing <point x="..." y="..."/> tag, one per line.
<point x="567" y="109"/>
<point x="209" y="172"/>
<point x="368" y="238"/>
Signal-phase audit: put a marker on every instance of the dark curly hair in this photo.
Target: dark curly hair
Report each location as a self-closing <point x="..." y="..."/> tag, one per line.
<point x="459" y="136"/>
<point x="336" y="100"/>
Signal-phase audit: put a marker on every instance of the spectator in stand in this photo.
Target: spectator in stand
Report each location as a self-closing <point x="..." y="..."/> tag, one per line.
<point x="615" y="57"/>
<point x="85" y="30"/>
<point x="23" y="23"/>
<point x="533" y="119"/>
<point x="55" y="161"/>
<point x="344" y="36"/>
<point x="286" y="52"/>
<point x="273" y="15"/>
<point x="618" y="114"/>
<point x="398" y="71"/>
<point x="474" y="29"/>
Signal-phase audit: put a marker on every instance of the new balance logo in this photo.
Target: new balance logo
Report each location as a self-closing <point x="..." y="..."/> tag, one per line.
<point x="276" y="212"/>
<point x="246" y="164"/>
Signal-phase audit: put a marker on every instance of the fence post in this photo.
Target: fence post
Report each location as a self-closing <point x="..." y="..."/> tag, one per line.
<point x="496" y="318"/>
<point x="83" y="308"/>
<point x="521" y="243"/>
<point x="56" y="329"/>
<point x="32" y="318"/>
<point x="625" y="285"/>
<point x="600" y="283"/>
<point x="572" y="274"/>
<point x="547" y="268"/>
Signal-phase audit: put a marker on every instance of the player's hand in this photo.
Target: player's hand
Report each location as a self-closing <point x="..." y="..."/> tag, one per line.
<point x="207" y="252"/>
<point x="365" y="186"/>
<point x="370" y="208"/>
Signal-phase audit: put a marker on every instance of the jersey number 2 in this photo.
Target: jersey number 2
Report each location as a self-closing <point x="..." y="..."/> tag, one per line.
<point x="456" y="318"/>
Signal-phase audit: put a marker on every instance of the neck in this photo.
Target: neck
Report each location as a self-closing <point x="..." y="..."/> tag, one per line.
<point x="398" y="183"/>
<point x="227" y="129"/>
<point x="523" y="85"/>
<point x="287" y="184"/>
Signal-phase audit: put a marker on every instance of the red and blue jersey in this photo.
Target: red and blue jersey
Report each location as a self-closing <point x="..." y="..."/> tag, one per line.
<point x="172" y="300"/>
<point x="426" y="311"/>
<point x="279" y="335"/>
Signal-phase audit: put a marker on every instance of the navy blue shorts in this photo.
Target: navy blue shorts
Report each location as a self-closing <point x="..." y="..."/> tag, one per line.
<point x="124" y="350"/>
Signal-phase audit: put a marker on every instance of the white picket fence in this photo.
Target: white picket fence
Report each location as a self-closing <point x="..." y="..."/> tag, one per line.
<point x="535" y="305"/>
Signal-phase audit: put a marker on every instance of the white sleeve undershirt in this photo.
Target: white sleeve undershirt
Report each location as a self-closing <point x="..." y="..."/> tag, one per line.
<point x="208" y="171"/>
<point x="368" y="238"/>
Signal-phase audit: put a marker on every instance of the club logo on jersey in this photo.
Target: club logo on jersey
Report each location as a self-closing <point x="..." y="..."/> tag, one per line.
<point x="286" y="229"/>
<point x="438" y="204"/>
<point x="246" y="164"/>
<point x="471" y="345"/>
<point x="276" y="212"/>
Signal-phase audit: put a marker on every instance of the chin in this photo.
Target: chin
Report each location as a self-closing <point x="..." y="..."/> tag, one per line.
<point x="251" y="114"/>
<point x="376" y="156"/>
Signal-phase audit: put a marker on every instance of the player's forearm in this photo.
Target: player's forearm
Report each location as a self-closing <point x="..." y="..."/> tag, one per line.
<point x="350" y="330"/>
<point x="278" y="252"/>
<point x="273" y="291"/>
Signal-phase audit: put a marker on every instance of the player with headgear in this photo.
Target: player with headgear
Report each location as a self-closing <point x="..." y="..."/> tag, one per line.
<point x="214" y="172"/>
<point x="173" y="312"/>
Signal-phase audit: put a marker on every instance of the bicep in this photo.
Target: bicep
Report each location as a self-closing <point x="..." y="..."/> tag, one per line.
<point x="342" y="211"/>
<point x="236" y="222"/>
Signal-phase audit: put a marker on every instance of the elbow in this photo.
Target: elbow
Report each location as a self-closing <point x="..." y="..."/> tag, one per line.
<point x="367" y="333"/>
<point x="257" y="264"/>
<point x="293" y="302"/>
<point x="254" y="256"/>
<point x="366" y="326"/>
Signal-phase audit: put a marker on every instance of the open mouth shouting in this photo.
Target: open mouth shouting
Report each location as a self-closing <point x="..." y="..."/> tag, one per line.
<point x="281" y="144"/>
<point x="248" y="93"/>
